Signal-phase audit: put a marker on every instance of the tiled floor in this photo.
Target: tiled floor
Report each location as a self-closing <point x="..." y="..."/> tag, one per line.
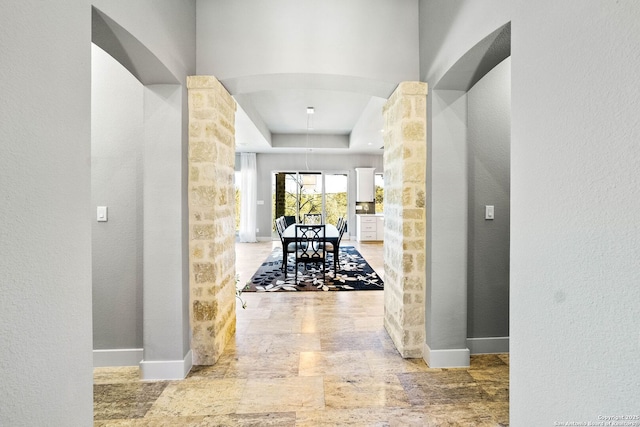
<point x="309" y="359"/>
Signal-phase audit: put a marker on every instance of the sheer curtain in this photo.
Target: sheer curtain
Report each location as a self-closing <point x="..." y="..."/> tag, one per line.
<point x="248" y="197"/>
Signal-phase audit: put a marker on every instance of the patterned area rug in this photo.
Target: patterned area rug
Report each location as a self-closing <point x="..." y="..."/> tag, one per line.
<point x="354" y="274"/>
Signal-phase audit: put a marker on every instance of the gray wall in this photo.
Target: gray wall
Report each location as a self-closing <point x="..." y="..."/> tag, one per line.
<point x="448" y="31"/>
<point x="166" y="29"/>
<point x="116" y="182"/>
<point x="488" y="138"/>
<point x="269" y="163"/>
<point x="575" y="194"/>
<point x="332" y="37"/>
<point x="447" y="189"/>
<point x="575" y="198"/>
<point x="45" y="211"/>
<point x="449" y="28"/>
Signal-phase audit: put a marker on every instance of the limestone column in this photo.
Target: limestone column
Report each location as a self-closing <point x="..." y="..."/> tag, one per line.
<point x="404" y="207"/>
<point x="211" y="218"/>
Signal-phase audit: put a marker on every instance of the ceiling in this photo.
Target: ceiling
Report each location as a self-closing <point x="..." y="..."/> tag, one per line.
<point x="276" y="121"/>
<point x="272" y="109"/>
<point x="343" y="58"/>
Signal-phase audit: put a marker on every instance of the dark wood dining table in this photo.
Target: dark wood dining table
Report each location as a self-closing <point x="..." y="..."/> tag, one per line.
<point x="331" y="235"/>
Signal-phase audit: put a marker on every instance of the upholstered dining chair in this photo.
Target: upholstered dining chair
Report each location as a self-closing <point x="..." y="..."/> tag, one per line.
<point x="311" y="247"/>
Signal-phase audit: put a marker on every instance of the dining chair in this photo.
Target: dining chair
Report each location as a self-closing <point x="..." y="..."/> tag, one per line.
<point x="311" y="247"/>
<point x="335" y="249"/>
<point x="289" y="220"/>
<point x="312" y="218"/>
<point x="281" y="225"/>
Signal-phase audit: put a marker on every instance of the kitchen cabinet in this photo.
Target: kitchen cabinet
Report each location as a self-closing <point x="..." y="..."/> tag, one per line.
<point x="369" y="228"/>
<point x="380" y="227"/>
<point x="365" y="185"/>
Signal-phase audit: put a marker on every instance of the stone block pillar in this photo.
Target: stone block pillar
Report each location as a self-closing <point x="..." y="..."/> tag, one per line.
<point x="211" y="218"/>
<point x="405" y="165"/>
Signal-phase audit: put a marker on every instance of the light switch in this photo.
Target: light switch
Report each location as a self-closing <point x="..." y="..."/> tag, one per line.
<point x="102" y="214"/>
<point x="488" y="212"/>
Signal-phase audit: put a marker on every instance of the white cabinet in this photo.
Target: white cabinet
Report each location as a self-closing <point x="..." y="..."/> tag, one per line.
<point x="365" y="185"/>
<point x="380" y="227"/>
<point x="369" y="228"/>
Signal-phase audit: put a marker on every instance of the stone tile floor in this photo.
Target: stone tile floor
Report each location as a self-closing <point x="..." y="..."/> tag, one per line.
<point x="309" y="359"/>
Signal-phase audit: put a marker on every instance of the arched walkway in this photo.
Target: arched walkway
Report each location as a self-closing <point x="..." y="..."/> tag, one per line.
<point x="447" y="202"/>
<point x="165" y="318"/>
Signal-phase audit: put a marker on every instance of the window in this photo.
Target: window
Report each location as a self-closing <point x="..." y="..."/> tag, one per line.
<point x="299" y="193"/>
<point x="236" y="183"/>
<point x="379" y="189"/>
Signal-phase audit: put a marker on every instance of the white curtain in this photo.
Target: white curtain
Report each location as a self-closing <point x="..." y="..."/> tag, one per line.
<point x="248" y="197"/>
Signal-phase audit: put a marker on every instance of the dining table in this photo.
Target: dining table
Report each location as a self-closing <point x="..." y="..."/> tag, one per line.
<point x="331" y="234"/>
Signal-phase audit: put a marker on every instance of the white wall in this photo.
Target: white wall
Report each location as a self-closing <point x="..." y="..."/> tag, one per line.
<point x="454" y="26"/>
<point x="269" y="163"/>
<point x="116" y="175"/>
<point x="45" y="211"/>
<point x="489" y="138"/>
<point x="373" y="39"/>
<point x="575" y="233"/>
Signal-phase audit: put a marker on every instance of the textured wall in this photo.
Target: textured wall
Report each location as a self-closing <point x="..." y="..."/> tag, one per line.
<point x="211" y="217"/>
<point x="575" y="228"/>
<point x="405" y="219"/>
<point x="45" y="214"/>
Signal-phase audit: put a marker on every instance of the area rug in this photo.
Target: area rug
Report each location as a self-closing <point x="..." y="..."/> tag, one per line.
<point x="354" y="274"/>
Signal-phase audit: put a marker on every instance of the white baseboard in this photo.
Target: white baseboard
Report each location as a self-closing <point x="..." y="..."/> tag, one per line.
<point x="117" y="357"/>
<point x="166" y="369"/>
<point x="453" y="358"/>
<point x="488" y="345"/>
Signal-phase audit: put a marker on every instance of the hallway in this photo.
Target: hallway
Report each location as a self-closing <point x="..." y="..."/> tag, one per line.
<point x="309" y="359"/>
